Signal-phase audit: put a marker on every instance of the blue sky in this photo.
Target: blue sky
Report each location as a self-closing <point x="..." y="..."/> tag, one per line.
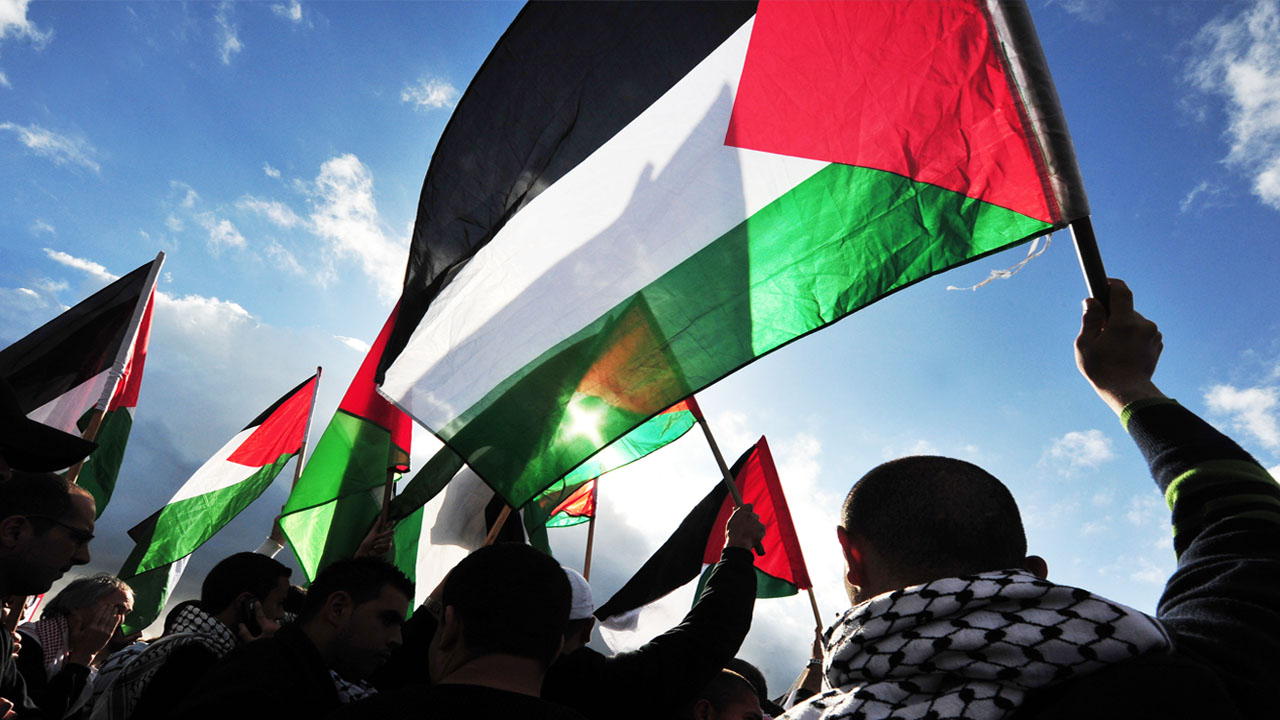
<point x="275" y="152"/>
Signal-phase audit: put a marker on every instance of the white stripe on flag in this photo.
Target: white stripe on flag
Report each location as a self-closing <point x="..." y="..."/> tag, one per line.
<point x="64" y="411"/>
<point x="453" y="525"/>
<point x="662" y="189"/>
<point x="217" y="473"/>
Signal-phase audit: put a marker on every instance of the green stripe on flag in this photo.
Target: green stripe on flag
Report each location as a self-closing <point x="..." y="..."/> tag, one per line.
<point x="101" y="469"/>
<point x="837" y="242"/>
<point x="184" y="525"/>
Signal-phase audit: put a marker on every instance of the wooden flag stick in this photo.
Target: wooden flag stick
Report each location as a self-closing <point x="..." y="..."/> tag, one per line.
<point x="726" y="476"/>
<point x="90" y="434"/>
<point x="591" y="527"/>
<point x="497" y="526"/>
<point x="1095" y="275"/>
<point x="817" y="616"/>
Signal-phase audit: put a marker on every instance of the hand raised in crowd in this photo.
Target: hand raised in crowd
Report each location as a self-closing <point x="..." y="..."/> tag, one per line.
<point x="744" y="529"/>
<point x="1117" y="353"/>
<point x="266" y="626"/>
<point x="88" y="631"/>
<point x="378" y="542"/>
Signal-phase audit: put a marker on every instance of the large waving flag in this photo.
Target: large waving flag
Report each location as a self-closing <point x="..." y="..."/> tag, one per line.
<point x="697" y="543"/>
<point x="90" y="358"/>
<point x="226" y="484"/>
<point x="336" y="500"/>
<point x="633" y="200"/>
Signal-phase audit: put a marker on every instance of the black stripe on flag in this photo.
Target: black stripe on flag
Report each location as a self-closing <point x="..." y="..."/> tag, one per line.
<point x="74" y="346"/>
<point x="562" y="80"/>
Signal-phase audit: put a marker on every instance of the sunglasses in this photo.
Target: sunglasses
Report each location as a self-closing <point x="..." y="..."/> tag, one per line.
<point x="79" y="535"/>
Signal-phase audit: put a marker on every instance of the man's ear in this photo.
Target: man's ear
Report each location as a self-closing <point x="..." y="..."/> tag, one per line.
<point x="450" y="630"/>
<point x="12" y="529"/>
<point x="1037" y="566"/>
<point x="337" y="606"/>
<point x="702" y="709"/>
<point x="852" y="557"/>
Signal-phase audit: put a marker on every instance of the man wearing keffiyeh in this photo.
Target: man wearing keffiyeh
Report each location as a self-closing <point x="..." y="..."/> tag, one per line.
<point x="951" y="618"/>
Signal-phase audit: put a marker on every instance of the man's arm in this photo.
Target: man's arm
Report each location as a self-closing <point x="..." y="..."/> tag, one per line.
<point x="1222" y="604"/>
<point x="682" y="660"/>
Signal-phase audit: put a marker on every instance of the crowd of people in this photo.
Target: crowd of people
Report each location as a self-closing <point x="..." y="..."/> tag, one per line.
<point x="949" y="616"/>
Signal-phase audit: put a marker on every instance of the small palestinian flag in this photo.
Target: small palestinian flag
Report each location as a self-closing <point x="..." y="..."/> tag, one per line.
<point x="633" y="200"/>
<point x="89" y="358"/>
<point x="571" y="500"/>
<point x="698" y="542"/>
<point x="338" y="497"/>
<point x="226" y="484"/>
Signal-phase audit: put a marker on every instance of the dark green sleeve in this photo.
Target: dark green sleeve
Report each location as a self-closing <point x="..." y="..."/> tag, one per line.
<point x="1222" y="603"/>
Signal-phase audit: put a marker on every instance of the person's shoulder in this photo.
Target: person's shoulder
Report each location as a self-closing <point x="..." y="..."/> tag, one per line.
<point x="1169" y="686"/>
<point x="455" y="699"/>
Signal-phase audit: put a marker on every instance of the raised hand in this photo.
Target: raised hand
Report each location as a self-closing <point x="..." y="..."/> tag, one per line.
<point x="1117" y="353"/>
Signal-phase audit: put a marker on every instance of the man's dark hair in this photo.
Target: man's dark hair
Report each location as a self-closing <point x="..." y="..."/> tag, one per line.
<point x="361" y="578"/>
<point x="933" y="517"/>
<point x="38" y="495"/>
<point x="511" y="599"/>
<point x="726" y="688"/>
<point x="240" y="573"/>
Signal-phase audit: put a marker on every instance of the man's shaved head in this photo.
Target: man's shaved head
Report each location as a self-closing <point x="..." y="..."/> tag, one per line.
<point x="932" y="517"/>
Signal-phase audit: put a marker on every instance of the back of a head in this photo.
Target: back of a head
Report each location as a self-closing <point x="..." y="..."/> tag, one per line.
<point x="243" y="572"/>
<point x="728" y="694"/>
<point x="42" y="495"/>
<point x="83" y="592"/>
<point x="511" y="600"/>
<point x="360" y="578"/>
<point x="932" y="517"/>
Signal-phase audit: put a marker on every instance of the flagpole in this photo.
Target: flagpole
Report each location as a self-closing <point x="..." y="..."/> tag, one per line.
<point x="1095" y="276"/>
<point x="90" y="434"/>
<point x="497" y="526"/>
<point x="591" y="527"/>
<point x="277" y="532"/>
<point x="817" y="616"/>
<point x="726" y="476"/>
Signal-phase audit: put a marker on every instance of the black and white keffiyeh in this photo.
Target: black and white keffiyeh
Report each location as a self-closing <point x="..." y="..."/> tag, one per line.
<point x="970" y="647"/>
<point x="192" y="625"/>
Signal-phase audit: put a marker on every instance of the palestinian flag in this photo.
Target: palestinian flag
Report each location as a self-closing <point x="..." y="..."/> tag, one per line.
<point x="226" y="484"/>
<point x="633" y="200"/>
<point x="337" y="499"/>
<point x="571" y="499"/>
<point x="100" y="470"/>
<point x="698" y="542"/>
<point x="89" y="358"/>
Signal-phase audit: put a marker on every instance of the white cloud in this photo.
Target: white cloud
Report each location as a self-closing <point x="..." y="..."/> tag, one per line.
<point x="229" y="40"/>
<point x="173" y="223"/>
<point x="284" y="259"/>
<point x="1252" y="410"/>
<point x="1081" y="449"/>
<point x="40" y="226"/>
<point x="1093" y="11"/>
<point x="1149" y="572"/>
<point x="430" y="94"/>
<point x="61" y="149"/>
<point x="346" y="216"/>
<point x="1148" y="508"/>
<point x="4" y="80"/>
<point x="15" y="23"/>
<point x="189" y="194"/>
<point x="1238" y="58"/>
<point x="221" y="232"/>
<point x="1275" y="472"/>
<point x="273" y="210"/>
<point x="88" y="267"/>
<point x="1104" y="498"/>
<point x="270" y="171"/>
<point x="1204" y="195"/>
<point x="1096" y="527"/>
<point x="291" y="12"/>
<point x="359" y="346"/>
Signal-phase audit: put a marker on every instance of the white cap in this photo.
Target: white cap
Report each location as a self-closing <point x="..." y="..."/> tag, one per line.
<point x="580" y="606"/>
